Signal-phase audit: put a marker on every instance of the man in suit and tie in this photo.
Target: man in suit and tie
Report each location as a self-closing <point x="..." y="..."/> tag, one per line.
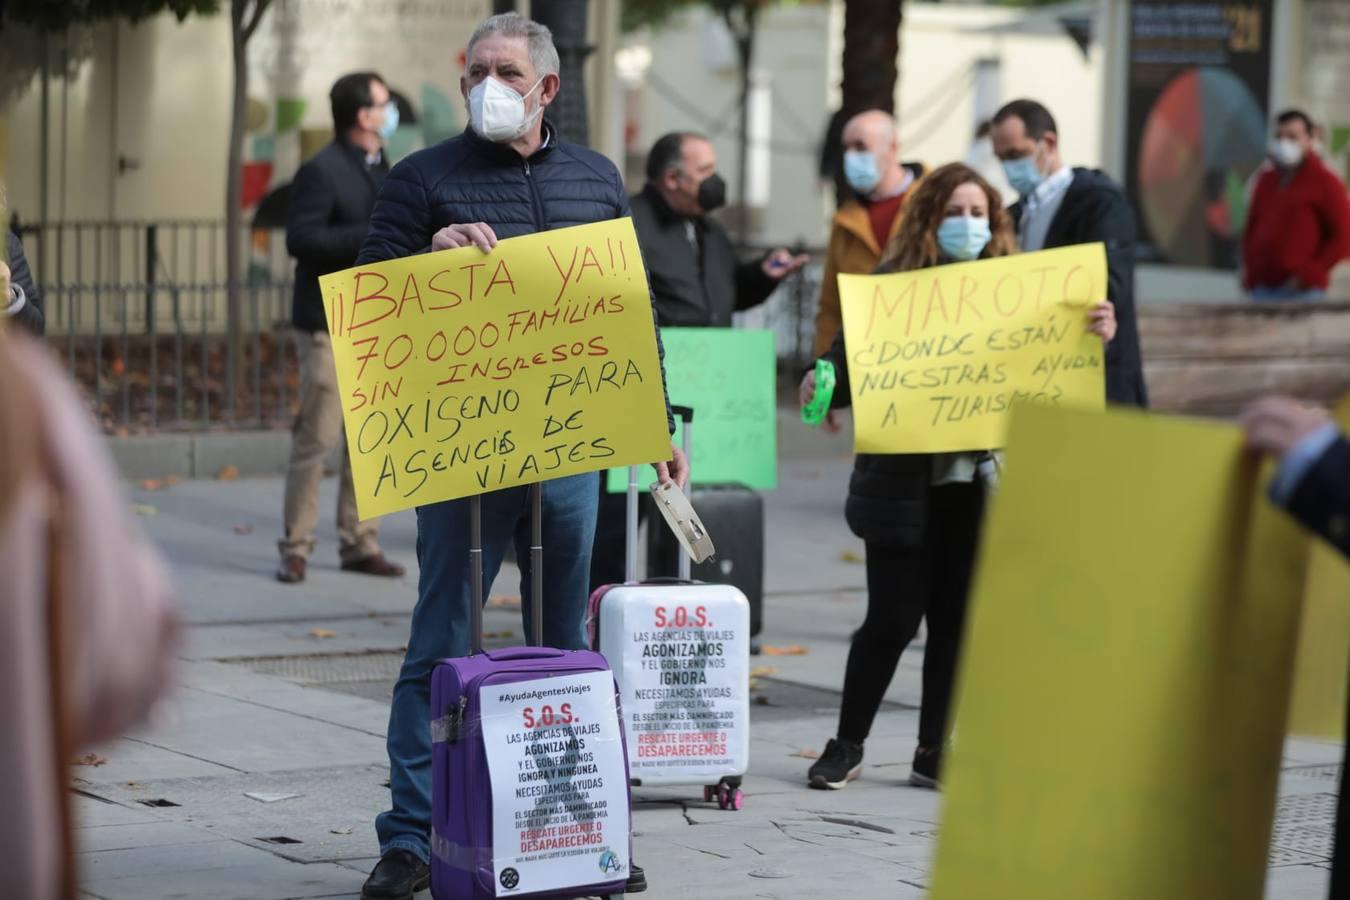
<point x="329" y="211"/>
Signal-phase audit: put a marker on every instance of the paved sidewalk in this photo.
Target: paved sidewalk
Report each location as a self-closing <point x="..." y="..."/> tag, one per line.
<point x="261" y="778"/>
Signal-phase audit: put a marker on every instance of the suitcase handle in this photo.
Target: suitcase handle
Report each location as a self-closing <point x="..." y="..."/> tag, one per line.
<point x="686" y="416"/>
<point x="515" y="653"/>
<point x="476" y="568"/>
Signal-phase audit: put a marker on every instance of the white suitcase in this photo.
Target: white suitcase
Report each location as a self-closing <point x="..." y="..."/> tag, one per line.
<point x="680" y="652"/>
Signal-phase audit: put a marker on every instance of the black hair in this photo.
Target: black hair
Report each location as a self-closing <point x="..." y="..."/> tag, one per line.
<point x="667" y="152"/>
<point x="351" y="94"/>
<point x="1295" y="115"/>
<point x="1034" y="116"/>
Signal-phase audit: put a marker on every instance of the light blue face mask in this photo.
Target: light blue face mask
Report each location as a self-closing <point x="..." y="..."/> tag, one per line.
<point x="1022" y="174"/>
<point x="860" y="170"/>
<point x="963" y="238"/>
<point x="390" y="120"/>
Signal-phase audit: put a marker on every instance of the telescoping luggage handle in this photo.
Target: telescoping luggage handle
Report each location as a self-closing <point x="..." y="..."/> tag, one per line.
<point x="686" y="416"/>
<point x="536" y="570"/>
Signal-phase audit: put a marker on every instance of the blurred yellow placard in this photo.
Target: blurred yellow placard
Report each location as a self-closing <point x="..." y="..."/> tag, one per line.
<point x="1318" y="708"/>
<point x="937" y="357"/>
<point x="1126" y="675"/>
<point x="1324" y="639"/>
<point x="463" y="372"/>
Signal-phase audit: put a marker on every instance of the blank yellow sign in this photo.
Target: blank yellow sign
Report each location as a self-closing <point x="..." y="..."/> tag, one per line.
<point x="1323" y="648"/>
<point x="1324" y="639"/>
<point x="1127" y="668"/>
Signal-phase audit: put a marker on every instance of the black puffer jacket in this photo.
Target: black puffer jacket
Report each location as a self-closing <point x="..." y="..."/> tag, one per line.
<point x="887" y="493"/>
<point x="470" y="179"/>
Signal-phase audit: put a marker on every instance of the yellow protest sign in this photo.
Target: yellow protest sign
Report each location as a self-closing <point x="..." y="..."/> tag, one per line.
<point x="1126" y="670"/>
<point x="937" y="357"/>
<point x="463" y="372"/>
<point x="1318" y="708"/>
<point x="1324" y="639"/>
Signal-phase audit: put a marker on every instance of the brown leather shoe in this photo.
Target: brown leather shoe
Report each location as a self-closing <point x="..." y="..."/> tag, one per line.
<point x="375" y="564"/>
<point x="292" y="569"/>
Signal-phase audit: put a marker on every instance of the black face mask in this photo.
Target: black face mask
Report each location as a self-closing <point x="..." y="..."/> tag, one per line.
<point x="712" y="193"/>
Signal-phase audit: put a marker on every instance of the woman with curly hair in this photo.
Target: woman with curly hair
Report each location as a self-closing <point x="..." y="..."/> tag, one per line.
<point x="919" y="514"/>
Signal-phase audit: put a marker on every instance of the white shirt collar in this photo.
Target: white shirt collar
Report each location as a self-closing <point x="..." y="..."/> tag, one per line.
<point x="1051" y="188"/>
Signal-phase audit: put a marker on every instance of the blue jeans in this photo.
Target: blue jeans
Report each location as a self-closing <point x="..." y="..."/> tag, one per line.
<point x="440" y="623"/>
<point x="1284" y="294"/>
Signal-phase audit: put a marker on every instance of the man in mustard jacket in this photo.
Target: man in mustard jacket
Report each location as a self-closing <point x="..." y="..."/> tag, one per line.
<point x="865" y="225"/>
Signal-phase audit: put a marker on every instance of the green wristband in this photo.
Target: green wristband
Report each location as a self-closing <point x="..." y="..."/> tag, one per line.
<point x="814" y="412"/>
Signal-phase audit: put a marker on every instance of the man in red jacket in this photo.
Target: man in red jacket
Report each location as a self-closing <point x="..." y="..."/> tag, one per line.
<point x="1298" y="227"/>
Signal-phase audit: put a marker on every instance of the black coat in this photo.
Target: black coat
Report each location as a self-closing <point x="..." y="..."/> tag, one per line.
<point x="1322" y="499"/>
<point x="31" y="315"/>
<point x="694" y="289"/>
<point x="1095" y="209"/>
<point x="327" y="217"/>
<point x="887" y="492"/>
<point x="469" y="179"/>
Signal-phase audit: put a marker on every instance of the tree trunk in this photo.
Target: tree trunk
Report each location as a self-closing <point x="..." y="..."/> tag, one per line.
<point x="245" y="15"/>
<point x="744" y="34"/>
<point x="871" y="71"/>
<point x="567" y="20"/>
<point x="234" y="201"/>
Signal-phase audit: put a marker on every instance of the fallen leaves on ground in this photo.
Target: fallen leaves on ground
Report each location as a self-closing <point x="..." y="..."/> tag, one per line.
<point x="489" y="635"/>
<point x="849" y="556"/>
<point x="172" y="480"/>
<point x="243" y="529"/>
<point x="794" y="650"/>
<point x="91" y="759"/>
<point x="806" y="754"/>
<point x="340" y="831"/>
<point x="504" y="601"/>
<point x="322" y="633"/>
<point x="229" y="473"/>
<point x="144" y="509"/>
<point x="763" y="671"/>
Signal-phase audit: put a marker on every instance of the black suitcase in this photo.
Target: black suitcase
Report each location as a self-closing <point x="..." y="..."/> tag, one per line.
<point x="734" y="517"/>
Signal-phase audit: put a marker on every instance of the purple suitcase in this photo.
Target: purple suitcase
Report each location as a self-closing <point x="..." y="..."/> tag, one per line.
<point x="461" y="820"/>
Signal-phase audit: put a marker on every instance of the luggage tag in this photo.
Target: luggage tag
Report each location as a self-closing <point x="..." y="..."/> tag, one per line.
<point x="680" y="516"/>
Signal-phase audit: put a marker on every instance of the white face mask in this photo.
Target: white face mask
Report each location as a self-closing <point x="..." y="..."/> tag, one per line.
<point x="1286" y="153"/>
<point x="498" y="113"/>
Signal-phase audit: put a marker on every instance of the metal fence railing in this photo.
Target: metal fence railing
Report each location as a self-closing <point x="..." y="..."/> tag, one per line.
<point x="139" y="311"/>
<point x="151" y="253"/>
<point x="178" y="373"/>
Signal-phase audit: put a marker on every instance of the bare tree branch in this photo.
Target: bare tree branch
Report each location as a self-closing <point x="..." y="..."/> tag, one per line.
<point x="259" y="9"/>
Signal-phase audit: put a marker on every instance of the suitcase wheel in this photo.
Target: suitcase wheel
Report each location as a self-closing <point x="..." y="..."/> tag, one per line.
<point x="730" y="798"/>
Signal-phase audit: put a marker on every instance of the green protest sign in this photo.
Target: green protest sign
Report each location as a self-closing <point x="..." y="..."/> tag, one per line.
<point x="727" y="376"/>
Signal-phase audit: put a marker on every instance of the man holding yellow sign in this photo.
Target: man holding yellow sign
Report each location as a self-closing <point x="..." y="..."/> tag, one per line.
<point x="488" y="368"/>
<point x="933" y="355"/>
